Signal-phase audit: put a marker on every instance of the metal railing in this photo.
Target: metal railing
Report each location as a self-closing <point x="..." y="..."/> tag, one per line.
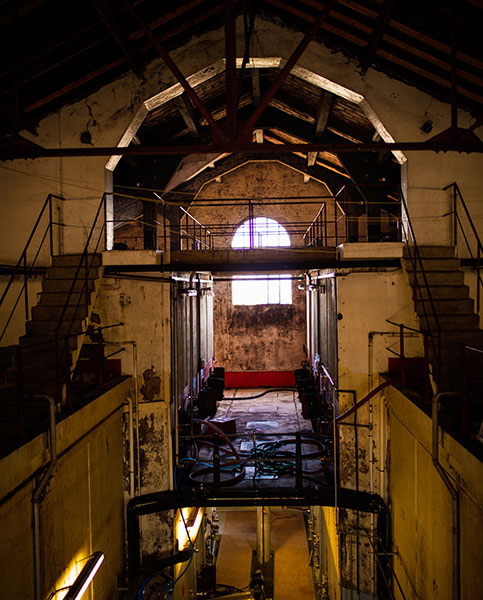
<point x="192" y="234"/>
<point x="461" y="354"/>
<point x="24" y="267"/>
<point x="373" y="221"/>
<point x="421" y="287"/>
<point x="459" y="226"/>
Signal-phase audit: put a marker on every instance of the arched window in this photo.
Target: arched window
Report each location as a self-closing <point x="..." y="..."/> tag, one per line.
<point x="261" y="232"/>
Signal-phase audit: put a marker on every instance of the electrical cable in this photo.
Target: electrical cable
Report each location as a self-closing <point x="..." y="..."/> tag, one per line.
<point x="281" y="389"/>
<point x="171" y="584"/>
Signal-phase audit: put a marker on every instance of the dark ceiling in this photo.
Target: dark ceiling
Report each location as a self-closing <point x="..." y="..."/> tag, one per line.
<point x="56" y="52"/>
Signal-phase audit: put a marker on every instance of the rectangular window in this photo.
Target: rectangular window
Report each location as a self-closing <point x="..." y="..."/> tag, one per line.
<point x="249" y="290"/>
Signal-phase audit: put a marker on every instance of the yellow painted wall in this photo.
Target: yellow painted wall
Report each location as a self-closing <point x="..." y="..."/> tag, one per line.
<point x="421" y="507"/>
<point x="82" y="510"/>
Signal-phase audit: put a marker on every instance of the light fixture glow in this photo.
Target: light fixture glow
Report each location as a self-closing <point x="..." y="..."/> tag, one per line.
<point x="193" y="518"/>
<point x="80" y="585"/>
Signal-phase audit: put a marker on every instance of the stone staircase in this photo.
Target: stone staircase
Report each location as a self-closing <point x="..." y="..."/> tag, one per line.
<point x="38" y="345"/>
<point x="458" y="324"/>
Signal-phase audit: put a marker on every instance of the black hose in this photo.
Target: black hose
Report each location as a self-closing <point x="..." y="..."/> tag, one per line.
<point x="283" y="389"/>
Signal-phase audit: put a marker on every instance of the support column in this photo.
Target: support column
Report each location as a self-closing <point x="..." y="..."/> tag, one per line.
<point x="263" y="534"/>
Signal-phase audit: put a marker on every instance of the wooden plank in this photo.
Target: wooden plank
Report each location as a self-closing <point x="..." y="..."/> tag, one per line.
<point x="324" y="107"/>
<point x="381" y="23"/>
<point x="187" y="112"/>
<point x="119" y="36"/>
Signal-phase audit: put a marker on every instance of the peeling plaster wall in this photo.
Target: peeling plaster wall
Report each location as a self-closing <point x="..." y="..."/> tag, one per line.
<point x="265" y="337"/>
<point x="259" y="180"/>
<point x="143" y="305"/>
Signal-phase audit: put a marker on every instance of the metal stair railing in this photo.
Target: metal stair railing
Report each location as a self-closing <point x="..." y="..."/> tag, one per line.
<point x="84" y="269"/>
<point x="22" y="264"/>
<point x="418" y="287"/>
<point x="458" y="198"/>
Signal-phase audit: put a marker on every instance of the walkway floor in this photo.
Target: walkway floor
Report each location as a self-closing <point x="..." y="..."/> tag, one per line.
<point x="292" y="573"/>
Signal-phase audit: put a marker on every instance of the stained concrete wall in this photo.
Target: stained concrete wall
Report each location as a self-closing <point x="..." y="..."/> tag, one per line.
<point x="82" y="510"/>
<point x="268" y="337"/>
<point x="257" y="181"/>
<point x="143" y="305"/>
<point x="421" y="507"/>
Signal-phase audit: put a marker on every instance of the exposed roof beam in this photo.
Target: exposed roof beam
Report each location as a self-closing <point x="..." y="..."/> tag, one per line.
<point x="283" y="74"/>
<point x="120" y="37"/>
<point x="187" y="112"/>
<point x="378" y="32"/>
<point x="191" y="187"/>
<point x="324" y="107"/>
<point x="344" y="33"/>
<point x="311" y="158"/>
<point x="255" y="73"/>
<point x="231" y="88"/>
<point x="215" y="129"/>
<point x="450" y="145"/>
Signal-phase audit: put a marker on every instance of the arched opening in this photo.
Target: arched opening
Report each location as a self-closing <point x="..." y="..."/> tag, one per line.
<point x="250" y="290"/>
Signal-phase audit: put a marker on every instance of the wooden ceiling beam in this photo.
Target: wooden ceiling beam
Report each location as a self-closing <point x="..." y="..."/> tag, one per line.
<point x="187" y="112"/>
<point x="119" y="36"/>
<point x="217" y="133"/>
<point x="285" y="71"/>
<point x="324" y="106"/>
<point x="231" y="84"/>
<point x="343" y="33"/>
<point x="381" y="23"/>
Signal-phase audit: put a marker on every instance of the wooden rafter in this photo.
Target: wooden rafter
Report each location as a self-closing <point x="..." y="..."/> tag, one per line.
<point x="119" y="36"/>
<point x="187" y="112"/>
<point x="324" y="107"/>
<point x="378" y="32"/>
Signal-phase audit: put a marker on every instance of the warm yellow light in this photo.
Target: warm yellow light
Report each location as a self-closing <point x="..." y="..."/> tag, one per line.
<point x="180" y="529"/>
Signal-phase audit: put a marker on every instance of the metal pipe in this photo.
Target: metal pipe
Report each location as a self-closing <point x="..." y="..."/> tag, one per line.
<point x="263" y="534"/>
<point x="135" y="409"/>
<point x="38" y="495"/>
<point x="131" y="446"/>
<point x="454" y="492"/>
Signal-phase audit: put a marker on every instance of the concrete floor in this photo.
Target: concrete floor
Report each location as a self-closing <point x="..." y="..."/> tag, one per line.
<point x="292" y="573"/>
<point x="273" y="413"/>
<point x="266" y="419"/>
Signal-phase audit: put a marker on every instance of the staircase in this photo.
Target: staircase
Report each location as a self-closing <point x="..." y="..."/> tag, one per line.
<point x="41" y="355"/>
<point x="458" y="325"/>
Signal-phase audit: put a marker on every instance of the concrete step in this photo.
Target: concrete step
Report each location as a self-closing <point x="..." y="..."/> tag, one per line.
<point x="52" y="313"/>
<point x="450" y="322"/>
<point x="73" y="260"/>
<point x="70" y="272"/>
<point x="452" y="306"/>
<point x="44" y="358"/>
<point x="432" y="251"/>
<point x="49" y="327"/>
<point x="59" y="298"/>
<point x="455" y="292"/>
<point x="438" y="278"/>
<point x="433" y="264"/>
<point x="34" y="377"/>
<point x="45" y="343"/>
<point x="64" y="285"/>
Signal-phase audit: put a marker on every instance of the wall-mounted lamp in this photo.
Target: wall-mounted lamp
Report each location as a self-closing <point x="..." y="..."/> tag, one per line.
<point x="80" y="585"/>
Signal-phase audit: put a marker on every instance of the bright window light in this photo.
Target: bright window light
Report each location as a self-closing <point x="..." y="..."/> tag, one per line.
<point x="260" y="233"/>
<point x="250" y="290"/>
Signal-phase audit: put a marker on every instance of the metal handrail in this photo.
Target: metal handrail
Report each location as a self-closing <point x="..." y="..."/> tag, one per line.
<point x="29" y="269"/>
<point x="203" y="231"/>
<point x="479" y="246"/>
<point x="417" y="260"/>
